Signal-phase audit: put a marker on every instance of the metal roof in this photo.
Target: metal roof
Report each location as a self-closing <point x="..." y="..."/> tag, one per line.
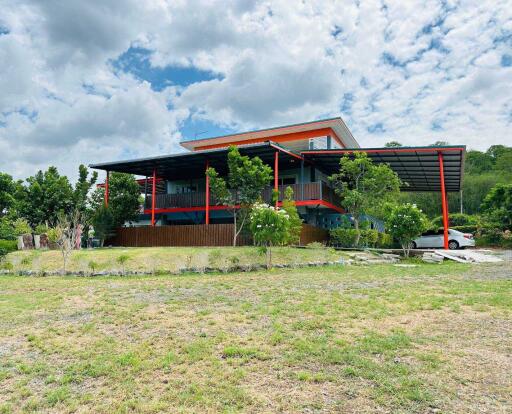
<point x="192" y="164"/>
<point x="336" y="124"/>
<point x="417" y="167"/>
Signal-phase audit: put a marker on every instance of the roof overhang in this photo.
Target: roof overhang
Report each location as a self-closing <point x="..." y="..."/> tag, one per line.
<point x="417" y="167"/>
<point x="188" y="165"/>
<point x="336" y="125"/>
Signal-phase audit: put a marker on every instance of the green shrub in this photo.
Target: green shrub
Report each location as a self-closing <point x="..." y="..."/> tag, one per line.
<point x="469" y="228"/>
<point x="93" y="266"/>
<point x="6" y="229"/>
<point x="53" y="235"/>
<point x="456" y="219"/>
<point x="41" y="228"/>
<point x="369" y="238"/>
<point x="343" y="237"/>
<point x="9" y="245"/>
<point x="493" y="236"/>
<point x="385" y="241"/>
<point x="122" y="259"/>
<point x="21" y="226"/>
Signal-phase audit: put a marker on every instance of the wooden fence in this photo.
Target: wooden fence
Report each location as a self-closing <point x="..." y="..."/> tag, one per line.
<point x="197" y="235"/>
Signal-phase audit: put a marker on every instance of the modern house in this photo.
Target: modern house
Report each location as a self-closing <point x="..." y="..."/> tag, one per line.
<point x="302" y="156"/>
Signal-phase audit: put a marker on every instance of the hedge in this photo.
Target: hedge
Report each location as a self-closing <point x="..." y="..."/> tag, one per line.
<point x="369" y="238"/>
<point x="7" y="246"/>
<point x="455" y="219"/>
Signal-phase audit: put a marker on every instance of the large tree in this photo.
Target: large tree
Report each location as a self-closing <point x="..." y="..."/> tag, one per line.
<point x="45" y="195"/>
<point x="247" y="177"/>
<point x="7" y="187"/>
<point x="124" y="198"/>
<point x="364" y="187"/>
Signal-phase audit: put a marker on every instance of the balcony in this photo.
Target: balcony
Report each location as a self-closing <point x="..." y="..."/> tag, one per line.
<point x="301" y="192"/>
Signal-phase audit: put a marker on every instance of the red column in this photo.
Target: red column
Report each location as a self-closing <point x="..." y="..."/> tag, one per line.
<point x="106" y="189"/>
<point x="207" y="218"/>
<point x="443" y="199"/>
<point x="276" y="175"/>
<point x="153" y="198"/>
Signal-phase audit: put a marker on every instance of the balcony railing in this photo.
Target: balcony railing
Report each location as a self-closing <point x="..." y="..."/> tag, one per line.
<point x="307" y="191"/>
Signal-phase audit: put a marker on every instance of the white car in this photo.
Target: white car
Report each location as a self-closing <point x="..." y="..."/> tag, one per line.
<point x="435" y="239"/>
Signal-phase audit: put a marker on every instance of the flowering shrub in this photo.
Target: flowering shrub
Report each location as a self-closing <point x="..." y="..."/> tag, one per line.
<point x="406" y="222"/>
<point x="270" y="226"/>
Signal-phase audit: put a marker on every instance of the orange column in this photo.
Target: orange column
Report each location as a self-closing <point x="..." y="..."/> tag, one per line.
<point x="207" y="218"/>
<point x="443" y="199"/>
<point x="106" y="189"/>
<point x="276" y="175"/>
<point x="153" y="198"/>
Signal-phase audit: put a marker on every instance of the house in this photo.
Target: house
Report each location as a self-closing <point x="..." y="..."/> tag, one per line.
<point x="176" y="190"/>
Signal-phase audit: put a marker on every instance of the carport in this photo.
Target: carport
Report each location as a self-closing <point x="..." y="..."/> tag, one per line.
<point x="429" y="169"/>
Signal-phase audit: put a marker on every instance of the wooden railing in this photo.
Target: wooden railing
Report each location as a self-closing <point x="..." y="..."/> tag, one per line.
<point x="306" y="191"/>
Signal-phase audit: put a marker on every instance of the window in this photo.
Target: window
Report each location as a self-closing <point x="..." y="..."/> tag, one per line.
<point x="182" y="189"/>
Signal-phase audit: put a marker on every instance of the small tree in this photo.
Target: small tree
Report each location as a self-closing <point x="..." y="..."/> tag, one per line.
<point x="295" y="220"/>
<point x="247" y="177"/>
<point x="269" y="227"/>
<point x="364" y="186"/>
<point x="103" y="222"/>
<point x="64" y="234"/>
<point x="406" y="222"/>
<point x="122" y="261"/>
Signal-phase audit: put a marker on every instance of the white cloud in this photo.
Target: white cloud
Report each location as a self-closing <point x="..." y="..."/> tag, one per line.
<point x="411" y="71"/>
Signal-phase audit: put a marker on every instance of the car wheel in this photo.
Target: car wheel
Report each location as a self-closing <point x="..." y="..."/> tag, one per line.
<point x="453" y="245"/>
<point x="413" y="245"/>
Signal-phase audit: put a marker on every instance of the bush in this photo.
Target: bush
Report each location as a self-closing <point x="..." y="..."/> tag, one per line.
<point x="456" y="219"/>
<point x="469" y="228"/>
<point x="9" y="245"/>
<point x="41" y="228"/>
<point x="21" y="227"/>
<point x="494" y="236"/>
<point x="369" y="238"/>
<point x="343" y="237"/>
<point x="385" y="241"/>
<point x="6" y="229"/>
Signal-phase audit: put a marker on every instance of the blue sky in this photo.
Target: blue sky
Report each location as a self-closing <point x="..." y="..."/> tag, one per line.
<point x="106" y="80"/>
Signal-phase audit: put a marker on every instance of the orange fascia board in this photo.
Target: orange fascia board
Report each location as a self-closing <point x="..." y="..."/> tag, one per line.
<point x="294" y="136"/>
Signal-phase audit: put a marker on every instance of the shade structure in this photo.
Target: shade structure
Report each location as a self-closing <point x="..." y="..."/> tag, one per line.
<point x="192" y="164"/>
<point x="417" y="167"/>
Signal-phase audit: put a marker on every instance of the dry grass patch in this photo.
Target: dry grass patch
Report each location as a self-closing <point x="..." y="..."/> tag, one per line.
<point x="378" y="339"/>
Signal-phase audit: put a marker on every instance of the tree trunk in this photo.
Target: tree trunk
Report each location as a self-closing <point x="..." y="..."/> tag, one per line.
<point x="358" y="232"/>
<point x="234" y="230"/>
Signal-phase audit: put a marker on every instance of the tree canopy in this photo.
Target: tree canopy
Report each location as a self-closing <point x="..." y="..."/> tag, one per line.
<point x="247" y="178"/>
<point x="46" y="195"/>
<point x="124" y="198"/>
<point x="364" y="187"/>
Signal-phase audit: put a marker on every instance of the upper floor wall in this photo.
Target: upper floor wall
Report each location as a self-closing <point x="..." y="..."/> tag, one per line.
<point x="323" y="134"/>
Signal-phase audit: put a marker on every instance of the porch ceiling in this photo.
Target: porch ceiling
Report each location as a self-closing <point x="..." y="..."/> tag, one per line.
<point x="417" y="167"/>
<point x="192" y="164"/>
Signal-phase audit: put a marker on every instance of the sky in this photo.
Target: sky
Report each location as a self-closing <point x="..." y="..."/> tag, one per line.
<point x="93" y="81"/>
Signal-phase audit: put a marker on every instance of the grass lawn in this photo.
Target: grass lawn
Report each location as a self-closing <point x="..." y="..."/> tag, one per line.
<point x="162" y="259"/>
<point x="434" y="338"/>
